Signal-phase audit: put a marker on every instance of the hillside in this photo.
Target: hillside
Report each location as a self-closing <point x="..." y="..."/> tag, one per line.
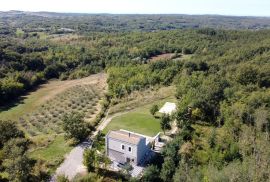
<point x="52" y="68"/>
<point x="83" y="23"/>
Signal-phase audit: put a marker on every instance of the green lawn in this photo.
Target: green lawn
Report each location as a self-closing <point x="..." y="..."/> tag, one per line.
<point x="58" y="148"/>
<point x="138" y="120"/>
<point x="54" y="151"/>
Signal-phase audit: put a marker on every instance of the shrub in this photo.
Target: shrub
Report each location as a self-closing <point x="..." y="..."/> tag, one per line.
<point x="75" y="127"/>
<point x="154" y="109"/>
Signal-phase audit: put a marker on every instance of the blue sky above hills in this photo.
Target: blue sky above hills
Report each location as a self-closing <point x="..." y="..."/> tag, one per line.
<point x="221" y="7"/>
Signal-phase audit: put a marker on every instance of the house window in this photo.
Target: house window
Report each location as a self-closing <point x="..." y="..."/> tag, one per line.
<point x="129" y="149"/>
<point x="123" y="147"/>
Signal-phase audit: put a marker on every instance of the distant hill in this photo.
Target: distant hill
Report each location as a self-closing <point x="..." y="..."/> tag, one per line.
<point x="30" y="21"/>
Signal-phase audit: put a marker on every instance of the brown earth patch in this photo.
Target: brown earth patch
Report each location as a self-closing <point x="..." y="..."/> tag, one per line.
<point x="166" y="56"/>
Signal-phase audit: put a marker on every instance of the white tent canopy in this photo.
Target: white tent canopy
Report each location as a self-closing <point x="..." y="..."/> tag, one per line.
<point x="168" y="108"/>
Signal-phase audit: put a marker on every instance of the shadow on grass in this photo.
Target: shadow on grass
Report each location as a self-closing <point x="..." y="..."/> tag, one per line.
<point x="12" y="103"/>
<point x="18" y="99"/>
<point x="157" y="117"/>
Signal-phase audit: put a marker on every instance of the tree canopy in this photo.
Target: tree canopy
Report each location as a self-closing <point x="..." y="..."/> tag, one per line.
<point x="75" y="126"/>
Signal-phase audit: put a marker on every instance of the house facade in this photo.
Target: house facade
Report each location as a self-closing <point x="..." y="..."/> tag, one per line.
<point x="124" y="146"/>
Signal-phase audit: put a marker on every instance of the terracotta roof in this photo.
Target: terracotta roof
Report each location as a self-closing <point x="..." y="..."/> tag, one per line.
<point x="125" y="136"/>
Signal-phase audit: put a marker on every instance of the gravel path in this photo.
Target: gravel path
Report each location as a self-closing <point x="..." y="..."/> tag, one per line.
<point x="106" y="121"/>
<point x="73" y="163"/>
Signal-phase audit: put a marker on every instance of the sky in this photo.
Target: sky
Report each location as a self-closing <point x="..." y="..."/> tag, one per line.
<point x="221" y="7"/>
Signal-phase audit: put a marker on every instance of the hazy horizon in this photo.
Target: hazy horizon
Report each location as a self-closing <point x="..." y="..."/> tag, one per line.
<point x="259" y="8"/>
<point x="89" y="13"/>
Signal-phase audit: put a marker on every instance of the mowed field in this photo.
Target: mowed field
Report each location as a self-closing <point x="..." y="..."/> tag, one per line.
<point x="40" y="113"/>
<point x="139" y="119"/>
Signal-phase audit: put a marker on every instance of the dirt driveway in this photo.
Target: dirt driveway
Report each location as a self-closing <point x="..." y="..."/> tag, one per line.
<point x="73" y="163"/>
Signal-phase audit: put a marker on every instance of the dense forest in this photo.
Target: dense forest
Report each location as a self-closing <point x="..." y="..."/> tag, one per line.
<point x="33" y="52"/>
<point x="225" y="85"/>
<point x="85" y="23"/>
<point x="222" y="79"/>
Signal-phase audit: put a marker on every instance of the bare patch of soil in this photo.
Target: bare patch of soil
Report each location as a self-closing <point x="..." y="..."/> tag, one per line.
<point x="166" y="56"/>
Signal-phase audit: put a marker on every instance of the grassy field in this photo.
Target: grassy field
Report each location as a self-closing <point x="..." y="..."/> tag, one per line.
<point x="139" y="120"/>
<point x="54" y="151"/>
<point x="30" y="102"/>
<point x="42" y="110"/>
<point x="135" y="121"/>
<point x="141" y="98"/>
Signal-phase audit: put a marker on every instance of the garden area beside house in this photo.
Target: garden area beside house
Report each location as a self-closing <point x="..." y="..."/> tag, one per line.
<point x="139" y="120"/>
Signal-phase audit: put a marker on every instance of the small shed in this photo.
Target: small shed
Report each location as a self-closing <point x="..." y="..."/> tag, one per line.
<point x="168" y="108"/>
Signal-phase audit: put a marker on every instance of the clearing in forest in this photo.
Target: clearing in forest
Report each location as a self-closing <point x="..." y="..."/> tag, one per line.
<point x="166" y="56"/>
<point x="45" y="92"/>
<point x="170" y="56"/>
<point x="136" y="114"/>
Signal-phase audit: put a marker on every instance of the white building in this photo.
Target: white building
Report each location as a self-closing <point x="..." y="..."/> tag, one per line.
<point x="168" y="108"/>
<point x="123" y="146"/>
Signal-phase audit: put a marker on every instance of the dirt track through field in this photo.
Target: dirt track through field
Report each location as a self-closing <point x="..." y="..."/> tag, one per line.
<point x="55" y="87"/>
